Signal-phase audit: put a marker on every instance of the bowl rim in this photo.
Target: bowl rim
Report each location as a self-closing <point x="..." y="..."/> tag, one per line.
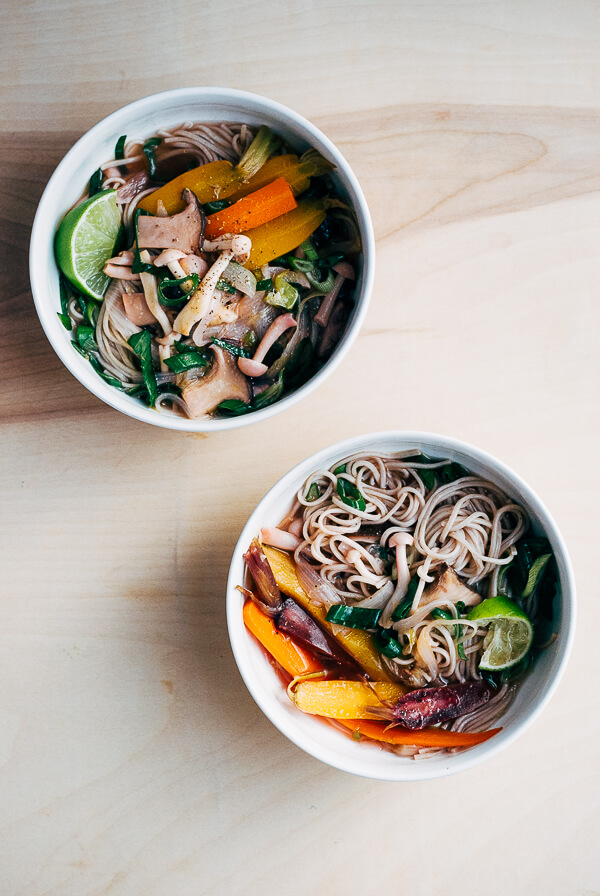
<point x="45" y="220"/>
<point x="407" y="770"/>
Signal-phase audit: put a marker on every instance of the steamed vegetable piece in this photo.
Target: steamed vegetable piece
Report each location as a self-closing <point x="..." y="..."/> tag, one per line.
<point x="297" y="662"/>
<point x="215" y="180"/>
<point x="286" y="233"/>
<point x="337" y="699"/>
<point x="297" y="172"/>
<point x="272" y="201"/>
<point x="359" y="644"/>
<point x="290" y="655"/>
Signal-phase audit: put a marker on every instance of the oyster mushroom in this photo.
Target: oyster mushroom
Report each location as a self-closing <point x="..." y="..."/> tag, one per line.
<point x="184" y="231"/>
<point x="224" y="382"/>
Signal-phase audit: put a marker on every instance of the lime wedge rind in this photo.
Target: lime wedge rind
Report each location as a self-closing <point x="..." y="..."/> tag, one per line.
<point x="85" y="241"/>
<point x="509" y="636"/>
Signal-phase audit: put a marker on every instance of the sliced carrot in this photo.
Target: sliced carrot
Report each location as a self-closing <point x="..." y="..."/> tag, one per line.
<point x="258" y="208"/>
<point x="290" y="655"/>
<point x="342" y="699"/>
<point x="426" y="737"/>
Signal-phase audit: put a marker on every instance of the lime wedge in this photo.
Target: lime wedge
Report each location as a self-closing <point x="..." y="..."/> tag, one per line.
<point x="86" y="240"/>
<point x="509" y="636"/>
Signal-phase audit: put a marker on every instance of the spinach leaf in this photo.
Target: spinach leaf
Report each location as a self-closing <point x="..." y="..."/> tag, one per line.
<point x="141" y="343"/>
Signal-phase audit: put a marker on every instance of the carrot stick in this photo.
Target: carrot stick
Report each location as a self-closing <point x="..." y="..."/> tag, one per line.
<point x="258" y="208"/>
<point x="426" y="737"/>
<point x="291" y="656"/>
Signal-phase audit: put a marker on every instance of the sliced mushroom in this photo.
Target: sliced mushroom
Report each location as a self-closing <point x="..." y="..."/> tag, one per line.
<point x="183" y="231"/>
<point x="224" y="382"/>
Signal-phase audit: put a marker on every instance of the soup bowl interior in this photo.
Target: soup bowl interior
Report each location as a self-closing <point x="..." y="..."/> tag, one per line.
<point x="322" y="740"/>
<point x="142" y="119"/>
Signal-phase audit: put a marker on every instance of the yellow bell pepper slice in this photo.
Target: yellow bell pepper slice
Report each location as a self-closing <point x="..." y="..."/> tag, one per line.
<point x="215" y="180"/>
<point x="344" y="699"/>
<point x="357" y="643"/>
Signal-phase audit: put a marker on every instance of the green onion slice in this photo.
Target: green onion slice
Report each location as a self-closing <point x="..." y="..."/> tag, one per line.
<point x="192" y="281"/>
<point x="120" y="147"/>
<point x="149" y="149"/>
<point x="353" y="617"/>
<point x="141" y="343"/>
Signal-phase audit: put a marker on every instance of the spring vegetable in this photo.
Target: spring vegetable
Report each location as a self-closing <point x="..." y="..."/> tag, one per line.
<point x="215" y="180"/>
<point x="431" y="706"/>
<point x="187" y="284"/>
<point x="141" y="344"/>
<point x="358" y="644"/>
<point x="264" y="579"/>
<point x="297" y="662"/>
<point x="186" y="361"/>
<point x="293" y="620"/>
<point x="353" y="617"/>
<point x="349" y="494"/>
<point x="257" y="208"/>
<point x="120" y="147"/>
<point x="290" y="655"/>
<point x="286" y="232"/>
<point x="148" y="149"/>
<point x="344" y="699"/>
<point x="427" y="737"/>
<point x="296" y="171"/>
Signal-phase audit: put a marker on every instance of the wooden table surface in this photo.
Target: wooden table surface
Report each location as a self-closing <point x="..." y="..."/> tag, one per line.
<point x="132" y="759"/>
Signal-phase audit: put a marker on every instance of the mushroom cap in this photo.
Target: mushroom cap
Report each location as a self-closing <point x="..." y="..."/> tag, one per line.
<point x="183" y="231"/>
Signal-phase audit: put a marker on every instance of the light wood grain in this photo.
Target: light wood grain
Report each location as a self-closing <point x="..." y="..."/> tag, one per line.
<point x="132" y="759"/>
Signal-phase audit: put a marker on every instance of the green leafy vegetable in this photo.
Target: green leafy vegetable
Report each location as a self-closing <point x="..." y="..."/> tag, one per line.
<point x="451" y="472"/>
<point x="111" y="380"/>
<point x="233" y="407"/>
<point x="186" y="361"/>
<point x="270" y="395"/>
<point x="96" y="181"/>
<point x="149" y="149"/>
<point x="403" y="608"/>
<point x="138" y="266"/>
<point x="141" y="344"/>
<point x="230" y="347"/>
<point x="217" y="206"/>
<point x="353" y="617"/>
<point x="192" y="281"/>
<point x="120" y="147"/>
<point x="386" y="642"/>
<point x="313" y="493"/>
<point x="350" y="495"/>
<point x="439" y="613"/>
<point x="225" y="286"/>
<point x="85" y="338"/>
<point x="263" y="285"/>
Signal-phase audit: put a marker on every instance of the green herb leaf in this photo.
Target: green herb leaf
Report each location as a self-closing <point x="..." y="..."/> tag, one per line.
<point x="141" y="343"/>
<point x="111" y="380"/>
<point x="263" y="285"/>
<point x="340" y="469"/>
<point x="451" y="472"/>
<point x="65" y="320"/>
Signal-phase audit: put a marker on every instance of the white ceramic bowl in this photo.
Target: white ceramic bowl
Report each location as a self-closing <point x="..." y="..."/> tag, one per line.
<point x="142" y="119"/>
<point x="325" y="742"/>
